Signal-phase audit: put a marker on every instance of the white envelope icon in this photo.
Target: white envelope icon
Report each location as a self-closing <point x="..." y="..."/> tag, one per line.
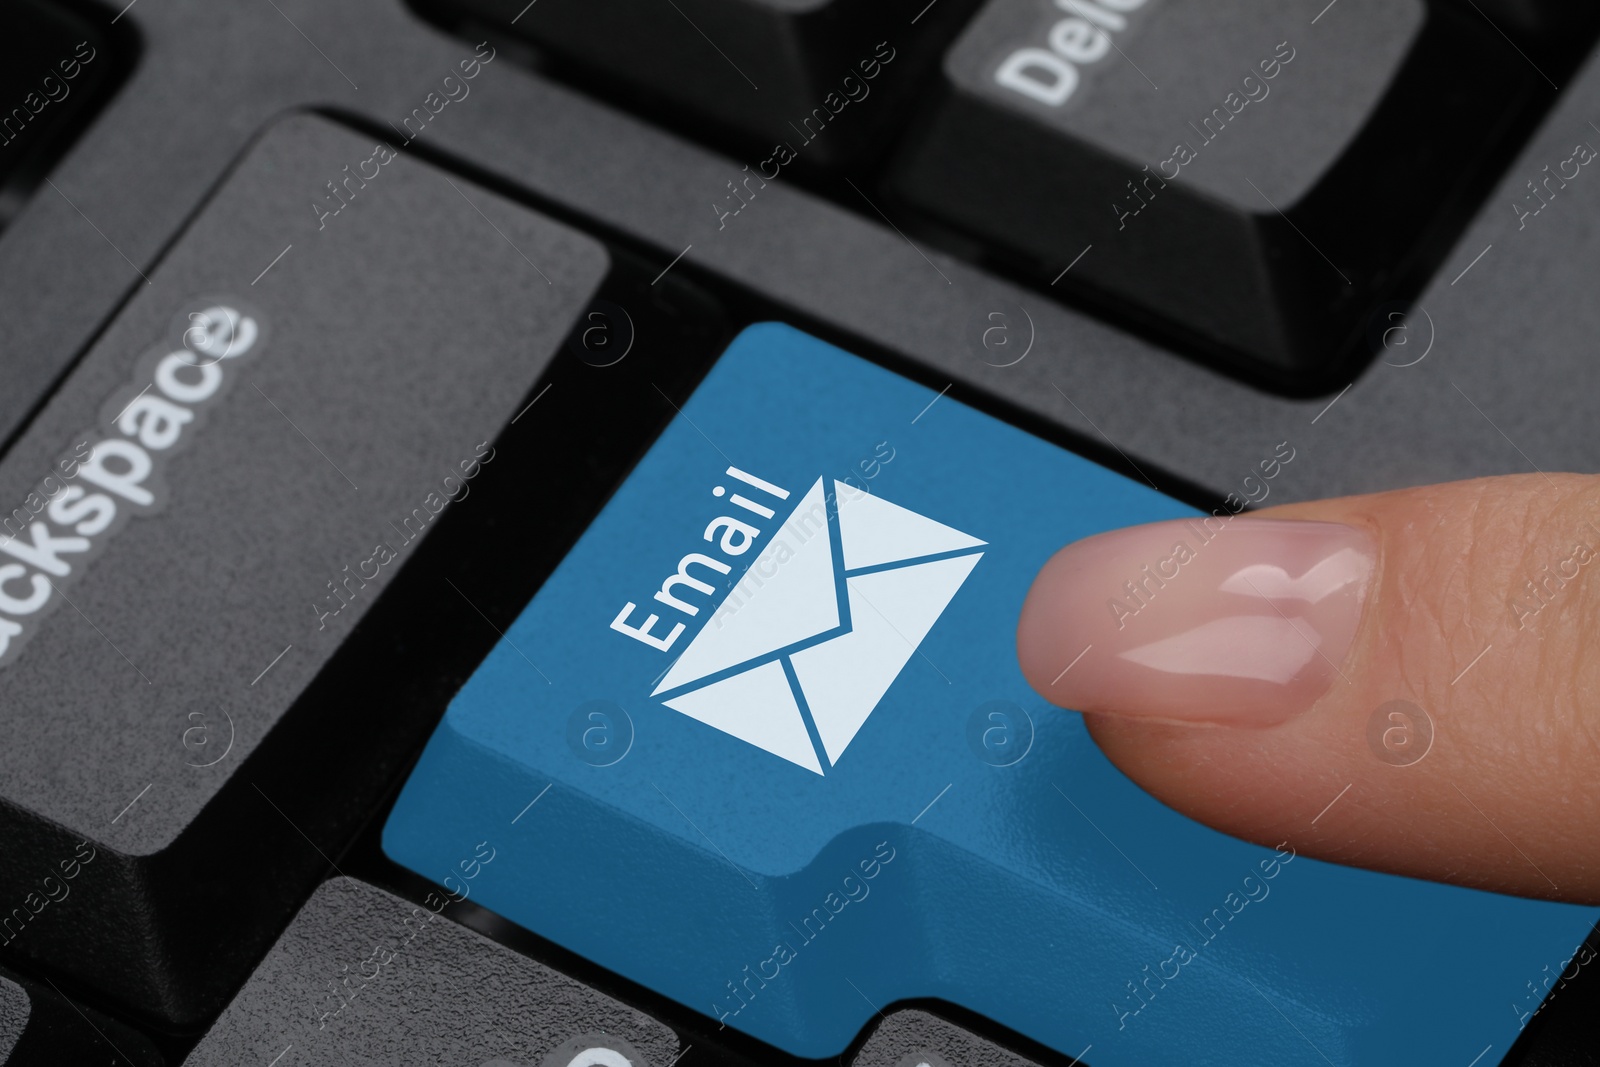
<point x="814" y="633"/>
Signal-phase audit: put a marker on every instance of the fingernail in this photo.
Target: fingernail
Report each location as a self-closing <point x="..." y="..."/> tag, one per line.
<point x="1238" y="621"/>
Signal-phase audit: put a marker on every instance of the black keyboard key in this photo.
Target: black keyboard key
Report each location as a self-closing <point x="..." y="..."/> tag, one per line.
<point x="53" y="68"/>
<point x="911" y="1038"/>
<point x="364" y="977"/>
<point x="1203" y="158"/>
<point x="200" y="516"/>
<point x="39" y="1027"/>
<point x="820" y="76"/>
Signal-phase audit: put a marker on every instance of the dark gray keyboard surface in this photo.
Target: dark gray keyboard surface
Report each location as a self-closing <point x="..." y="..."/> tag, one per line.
<point x="1333" y="77"/>
<point x="858" y="272"/>
<point x="14" y="1011"/>
<point x="443" y="306"/>
<point x="171" y="628"/>
<point x="911" y="1038"/>
<point x="362" y="977"/>
<point x="1197" y="163"/>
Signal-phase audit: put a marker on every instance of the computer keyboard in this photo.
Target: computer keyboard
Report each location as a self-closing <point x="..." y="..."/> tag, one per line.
<point x="1254" y="253"/>
<point x="412" y="419"/>
<point x="363" y="976"/>
<point x="1253" y="261"/>
<point x="196" y="563"/>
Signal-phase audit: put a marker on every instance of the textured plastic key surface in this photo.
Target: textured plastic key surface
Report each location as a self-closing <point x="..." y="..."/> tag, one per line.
<point x="1210" y="154"/>
<point x="832" y="788"/>
<point x="911" y="1038"/>
<point x="385" y="346"/>
<point x="14" y="1010"/>
<point x="1313" y="97"/>
<point x="362" y="978"/>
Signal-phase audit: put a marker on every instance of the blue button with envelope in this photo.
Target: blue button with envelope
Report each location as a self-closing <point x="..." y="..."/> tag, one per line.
<point x="742" y="748"/>
<point x="818" y="629"/>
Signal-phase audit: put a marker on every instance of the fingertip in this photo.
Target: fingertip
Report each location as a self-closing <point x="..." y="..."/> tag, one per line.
<point x="1243" y="621"/>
